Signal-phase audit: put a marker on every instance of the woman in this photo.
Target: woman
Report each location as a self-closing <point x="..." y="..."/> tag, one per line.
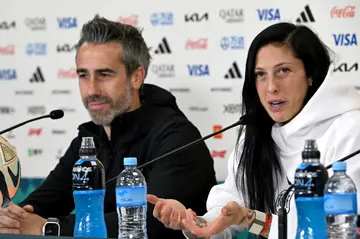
<point x="285" y="88"/>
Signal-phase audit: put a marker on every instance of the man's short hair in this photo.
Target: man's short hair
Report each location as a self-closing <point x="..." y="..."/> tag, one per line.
<point x="135" y="51"/>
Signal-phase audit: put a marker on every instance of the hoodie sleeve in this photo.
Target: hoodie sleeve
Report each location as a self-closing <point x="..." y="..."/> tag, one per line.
<point x="187" y="176"/>
<point x="220" y="195"/>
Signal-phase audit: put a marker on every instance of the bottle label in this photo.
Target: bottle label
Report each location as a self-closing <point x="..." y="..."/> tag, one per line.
<point x="344" y="203"/>
<point x="131" y="196"/>
<point x="310" y="180"/>
<point x="88" y="174"/>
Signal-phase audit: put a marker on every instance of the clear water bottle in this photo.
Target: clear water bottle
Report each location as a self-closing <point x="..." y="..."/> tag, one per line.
<point x="340" y="204"/>
<point x="131" y="201"/>
<point x="88" y="182"/>
<point x="310" y="179"/>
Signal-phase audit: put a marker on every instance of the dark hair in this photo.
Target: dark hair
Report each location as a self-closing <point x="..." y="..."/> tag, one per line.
<point x="259" y="166"/>
<point x="135" y="51"/>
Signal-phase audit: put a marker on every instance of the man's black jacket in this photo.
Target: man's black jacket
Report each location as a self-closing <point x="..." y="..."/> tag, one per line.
<point x="154" y="129"/>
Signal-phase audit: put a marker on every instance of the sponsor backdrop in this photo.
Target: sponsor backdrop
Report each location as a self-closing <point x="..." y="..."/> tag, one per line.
<point x="199" y="52"/>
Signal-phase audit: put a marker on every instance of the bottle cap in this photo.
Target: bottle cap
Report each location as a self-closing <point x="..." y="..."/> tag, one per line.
<point x="339" y="166"/>
<point x="310" y="149"/>
<point x="130" y="161"/>
<point x="87" y="147"/>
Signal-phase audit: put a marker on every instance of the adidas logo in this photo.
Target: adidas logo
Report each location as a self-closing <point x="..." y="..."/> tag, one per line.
<point x="163" y="47"/>
<point x="37" y="76"/>
<point x="233" y="72"/>
<point x="306" y="16"/>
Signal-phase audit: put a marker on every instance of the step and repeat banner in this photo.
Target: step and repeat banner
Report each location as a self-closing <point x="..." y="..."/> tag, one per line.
<point x="199" y="51"/>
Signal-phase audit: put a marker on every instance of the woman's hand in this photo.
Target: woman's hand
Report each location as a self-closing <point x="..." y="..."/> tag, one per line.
<point x="231" y="214"/>
<point x="170" y="212"/>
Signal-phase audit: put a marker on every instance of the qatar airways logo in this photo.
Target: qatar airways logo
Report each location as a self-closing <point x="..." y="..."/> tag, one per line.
<point x="200" y="44"/>
<point x="129" y="20"/>
<point x="346" y="12"/>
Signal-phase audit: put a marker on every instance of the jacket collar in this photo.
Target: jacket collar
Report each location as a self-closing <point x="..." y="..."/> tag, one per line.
<point x="125" y="128"/>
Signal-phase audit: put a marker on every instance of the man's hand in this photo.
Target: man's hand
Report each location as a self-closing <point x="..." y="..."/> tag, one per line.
<point x="32" y="224"/>
<point x="10" y="218"/>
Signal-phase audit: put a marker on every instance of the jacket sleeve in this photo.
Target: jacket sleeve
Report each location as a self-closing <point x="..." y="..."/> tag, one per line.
<point x="53" y="198"/>
<point x="186" y="176"/>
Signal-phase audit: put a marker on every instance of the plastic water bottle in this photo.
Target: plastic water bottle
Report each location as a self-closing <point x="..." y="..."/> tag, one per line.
<point x="310" y="179"/>
<point x="131" y="201"/>
<point x="340" y="204"/>
<point x="88" y="178"/>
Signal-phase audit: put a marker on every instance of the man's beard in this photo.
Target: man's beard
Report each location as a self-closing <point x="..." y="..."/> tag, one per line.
<point x="115" y="108"/>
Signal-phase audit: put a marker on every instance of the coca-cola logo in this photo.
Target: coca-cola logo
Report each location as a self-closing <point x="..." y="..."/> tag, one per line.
<point x="202" y="43"/>
<point x="67" y="73"/>
<point x="7" y="50"/>
<point x="130" y="20"/>
<point x="346" y="12"/>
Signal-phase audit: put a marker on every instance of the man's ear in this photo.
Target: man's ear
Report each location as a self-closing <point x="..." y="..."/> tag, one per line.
<point x="310" y="81"/>
<point x="137" y="78"/>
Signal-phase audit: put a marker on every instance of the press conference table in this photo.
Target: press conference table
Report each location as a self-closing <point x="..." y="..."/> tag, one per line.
<point x="10" y="236"/>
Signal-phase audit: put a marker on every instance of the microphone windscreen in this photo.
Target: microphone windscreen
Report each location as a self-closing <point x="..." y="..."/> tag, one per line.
<point x="248" y="119"/>
<point x="56" y="114"/>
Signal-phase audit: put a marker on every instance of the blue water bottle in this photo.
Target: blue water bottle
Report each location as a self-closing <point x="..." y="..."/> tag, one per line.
<point x="310" y="180"/>
<point x="88" y="182"/>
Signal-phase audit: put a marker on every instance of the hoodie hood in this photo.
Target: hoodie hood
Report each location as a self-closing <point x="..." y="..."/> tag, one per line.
<point x="330" y="101"/>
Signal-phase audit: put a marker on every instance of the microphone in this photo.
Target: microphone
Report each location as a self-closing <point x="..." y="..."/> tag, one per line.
<point x="55" y="114"/>
<point x="245" y="119"/>
<point x="282" y="213"/>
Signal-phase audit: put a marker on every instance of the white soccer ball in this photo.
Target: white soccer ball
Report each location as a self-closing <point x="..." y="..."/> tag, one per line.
<point x="10" y="172"/>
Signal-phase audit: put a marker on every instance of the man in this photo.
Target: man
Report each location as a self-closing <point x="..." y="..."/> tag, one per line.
<point x="129" y="118"/>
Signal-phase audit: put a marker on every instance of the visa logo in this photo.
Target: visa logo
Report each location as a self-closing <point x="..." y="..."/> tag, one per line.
<point x="162" y="18"/>
<point x="198" y="70"/>
<point x="36" y="49"/>
<point x="8" y="74"/>
<point x="270" y="14"/>
<point x="348" y="39"/>
<point x="67" y="22"/>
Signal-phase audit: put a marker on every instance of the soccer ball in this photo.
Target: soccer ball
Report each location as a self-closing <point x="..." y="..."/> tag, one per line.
<point x="10" y="172"/>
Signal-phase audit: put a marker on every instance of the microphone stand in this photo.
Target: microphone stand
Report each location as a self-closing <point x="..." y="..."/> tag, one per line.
<point x="245" y="119"/>
<point x="21" y="124"/>
<point x="55" y="114"/>
<point x="189" y="144"/>
<point x="282" y="215"/>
